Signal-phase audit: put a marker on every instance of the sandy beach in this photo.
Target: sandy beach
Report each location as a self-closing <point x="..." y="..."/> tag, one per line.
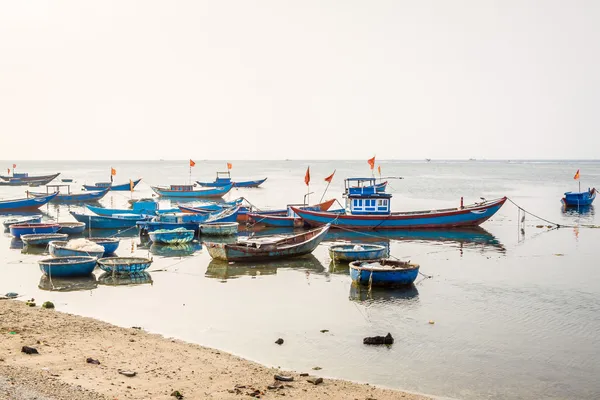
<point x="162" y="366"/>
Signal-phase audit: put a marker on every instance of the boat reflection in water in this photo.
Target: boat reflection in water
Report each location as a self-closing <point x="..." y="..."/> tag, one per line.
<point x="73" y="284"/>
<point x="136" y="278"/>
<point x="175" y="250"/>
<point x="223" y="270"/>
<point x="376" y="294"/>
<point x="586" y="211"/>
<point x="35" y="250"/>
<point x="475" y="238"/>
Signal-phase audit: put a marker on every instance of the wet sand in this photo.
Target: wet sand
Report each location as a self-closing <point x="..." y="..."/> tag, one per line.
<point x="162" y="365"/>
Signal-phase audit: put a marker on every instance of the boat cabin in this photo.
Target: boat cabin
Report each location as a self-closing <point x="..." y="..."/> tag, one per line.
<point x="362" y="197"/>
<point x="56" y="188"/>
<point x="223" y="178"/>
<point x="20" y="174"/>
<point x="181" y="188"/>
<point x="103" y="184"/>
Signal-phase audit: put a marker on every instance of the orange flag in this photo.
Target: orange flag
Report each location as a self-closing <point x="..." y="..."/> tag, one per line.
<point x="192" y="163"/>
<point x="307" y="176"/>
<point x="229" y="166"/>
<point x="379" y="169"/>
<point x="576" y="175"/>
<point x="131" y="185"/>
<point x="371" y="162"/>
<point x="330" y="178"/>
<point x="113" y="171"/>
<point x="8" y="170"/>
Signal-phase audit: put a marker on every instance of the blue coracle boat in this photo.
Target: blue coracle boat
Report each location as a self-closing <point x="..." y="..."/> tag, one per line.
<point x="383" y="272"/>
<point x="117" y="221"/>
<point x="224" y="179"/>
<point x="579" y="199"/>
<point x="356" y="251"/>
<point x="28" y="229"/>
<point x="71" y="228"/>
<point x="173" y="236"/>
<point x="110" y="244"/>
<point x="67" y="266"/>
<point x="189" y="192"/>
<point x="58" y="248"/>
<point x="25" y="204"/>
<point x="370" y="210"/>
<point x="124" y="265"/>
<point x="124" y="187"/>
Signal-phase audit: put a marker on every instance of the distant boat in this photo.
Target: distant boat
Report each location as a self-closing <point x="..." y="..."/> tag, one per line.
<point x="384" y="272"/>
<point x="23" y="178"/>
<point x="189" y="192"/>
<point x="224" y="179"/>
<point x="428" y="159"/>
<point x="579" y="199"/>
<point x="124" y="187"/>
<point x="69" y="197"/>
<point x="268" y="247"/>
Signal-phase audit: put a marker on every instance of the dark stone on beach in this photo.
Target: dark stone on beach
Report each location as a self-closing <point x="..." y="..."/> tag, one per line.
<point x="279" y="341"/>
<point x="139" y="328"/>
<point x="90" y="360"/>
<point x="304" y="374"/>
<point x="315" y="381"/>
<point x="129" y="374"/>
<point x="388" y="339"/>
<point x="48" y="304"/>
<point x="29" y="350"/>
<point x="324" y="330"/>
<point x="177" y="394"/>
<point x="284" y="378"/>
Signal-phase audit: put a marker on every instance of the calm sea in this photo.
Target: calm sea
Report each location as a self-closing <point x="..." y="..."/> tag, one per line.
<point x="517" y="313"/>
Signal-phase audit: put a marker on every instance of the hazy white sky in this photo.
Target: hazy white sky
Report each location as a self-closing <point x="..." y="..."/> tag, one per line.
<point x="299" y="79"/>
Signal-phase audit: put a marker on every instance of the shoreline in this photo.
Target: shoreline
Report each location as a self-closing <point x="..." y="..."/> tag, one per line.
<point x="163" y="366"/>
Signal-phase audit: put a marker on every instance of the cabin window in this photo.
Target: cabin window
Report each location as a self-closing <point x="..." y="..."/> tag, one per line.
<point x="360" y="202"/>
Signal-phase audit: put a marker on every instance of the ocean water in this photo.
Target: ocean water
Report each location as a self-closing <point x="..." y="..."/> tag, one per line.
<point x="516" y="311"/>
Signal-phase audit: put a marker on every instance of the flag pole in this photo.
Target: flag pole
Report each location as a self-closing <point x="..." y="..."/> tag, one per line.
<point x="328" y="183"/>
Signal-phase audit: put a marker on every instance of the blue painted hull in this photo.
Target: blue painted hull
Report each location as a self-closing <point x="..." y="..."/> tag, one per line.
<point x="433" y="219"/>
<point x="25" y="204"/>
<point x="68" y="266"/>
<point x="374" y="277"/>
<point x="72" y="228"/>
<point x="347" y="252"/>
<point x="75" y="197"/>
<point x="246" y="184"/>
<point x="124" y="187"/>
<point x="193" y="194"/>
<point x="172" y="236"/>
<point x="579" y="199"/>
<point x="100" y="222"/>
<point x="30" y="229"/>
<point x="110" y="244"/>
<point x="151" y="226"/>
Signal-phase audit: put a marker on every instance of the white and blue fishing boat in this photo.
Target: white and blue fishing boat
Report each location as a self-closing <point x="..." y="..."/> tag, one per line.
<point x="172" y="236"/>
<point x="68" y="266"/>
<point x="124" y="265"/>
<point x="42" y="239"/>
<point x="117" y="221"/>
<point x="357" y="251"/>
<point x="224" y="179"/>
<point x="31" y="219"/>
<point x="25" y="204"/>
<point x="188" y="191"/>
<point x="383" y="272"/>
<point x="64" y="195"/>
<point x="123" y="187"/>
<point x="17" y="230"/>
<point x="71" y="228"/>
<point x="60" y="248"/>
<point x="579" y="199"/>
<point x="23" y="179"/>
<point x="219" y="228"/>
<point x="367" y="209"/>
<point x="110" y="244"/>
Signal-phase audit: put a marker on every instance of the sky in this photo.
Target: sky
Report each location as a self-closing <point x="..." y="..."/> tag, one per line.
<point x="324" y="79"/>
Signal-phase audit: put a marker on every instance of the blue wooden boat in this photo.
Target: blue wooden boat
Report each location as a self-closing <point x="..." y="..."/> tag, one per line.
<point x="276" y="221"/>
<point x="58" y="248"/>
<point x="219" y="228"/>
<point x="188" y="191"/>
<point x="268" y="248"/>
<point x="32" y="219"/>
<point x="25" y="204"/>
<point x="117" y="221"/>
<point x="356" y="251"/>
<point x="224" y="179"/>
<point x="124" y="265"/>
<point x="370" y="210"/>
<point x="579" y="199"/>
<point x="42" y="239"/>
<point x="124" y="187"/>
<point x="383" y="272"/>
<point x="65" y="196"/>
<point x="110" y="244"/>
<point x="68" y="266"/>
<point x="71" y="228"/>
<point x="146" y="227"/>
<point x="27" y="229"/>
<point x="145" y="207"/>
<point x="173" y="236"/>
<point x="23" y="179"/>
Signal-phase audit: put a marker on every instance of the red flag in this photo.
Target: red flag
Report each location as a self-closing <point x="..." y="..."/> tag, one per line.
<point x="229" y="166"/>
<point x="371" y="162"/>
<point x="113" y="171"/>
<point x="192" y="163"/>
<point x="576" y="175"/>
<point x="14" y="166"/>
<point x="330" y="178"/>
<point x="307" y="176"/>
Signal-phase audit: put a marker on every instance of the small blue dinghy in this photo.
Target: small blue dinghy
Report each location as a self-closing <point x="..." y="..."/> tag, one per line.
<point x="356" y="251"/>
<point x="172" y="236"/>
<point x="579" y="199"/>
<point x="383" y="272"/>
<point x="124" y="265"/>
<point x="68" y="266"/>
